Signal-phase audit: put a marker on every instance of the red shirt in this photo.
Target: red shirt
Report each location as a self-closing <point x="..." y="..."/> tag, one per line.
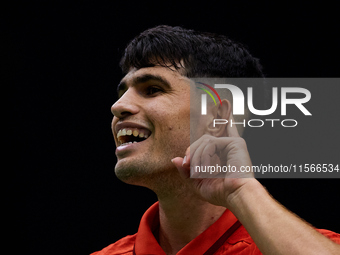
<point x="214" y="240"/>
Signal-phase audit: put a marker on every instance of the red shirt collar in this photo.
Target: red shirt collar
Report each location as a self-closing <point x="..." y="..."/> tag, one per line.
<point x="146" y="242"/>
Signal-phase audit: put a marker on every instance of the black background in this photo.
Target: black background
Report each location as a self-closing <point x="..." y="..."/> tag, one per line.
<point x="65" y="58"/>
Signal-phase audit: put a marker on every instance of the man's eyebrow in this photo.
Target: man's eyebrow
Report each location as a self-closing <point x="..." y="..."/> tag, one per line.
<point x="151" y="77"/>
<point x="142" y="79"/>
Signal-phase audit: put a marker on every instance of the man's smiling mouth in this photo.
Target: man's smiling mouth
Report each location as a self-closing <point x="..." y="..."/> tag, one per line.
<point x="127" y="136"/>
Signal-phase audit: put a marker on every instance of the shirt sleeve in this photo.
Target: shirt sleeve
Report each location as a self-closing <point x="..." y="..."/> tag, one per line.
<point x="335" y="237"/>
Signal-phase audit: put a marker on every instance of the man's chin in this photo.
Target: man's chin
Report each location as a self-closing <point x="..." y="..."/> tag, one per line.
<point x="141" y="173"/>
<point x="131" y="172"/>
<point x="124" y="172"/>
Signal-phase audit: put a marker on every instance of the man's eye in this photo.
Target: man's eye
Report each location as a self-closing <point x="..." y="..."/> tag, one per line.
<point x="153" y="90"/>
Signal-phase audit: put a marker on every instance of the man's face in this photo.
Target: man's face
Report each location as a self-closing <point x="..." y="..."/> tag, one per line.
<point x="151" y="123"/>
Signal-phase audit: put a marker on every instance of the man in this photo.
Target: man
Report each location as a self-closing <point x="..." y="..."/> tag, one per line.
<point x="151" y="128"/>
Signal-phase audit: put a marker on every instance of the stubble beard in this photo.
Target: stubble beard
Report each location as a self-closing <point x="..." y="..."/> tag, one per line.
<point x="156" y="173"/>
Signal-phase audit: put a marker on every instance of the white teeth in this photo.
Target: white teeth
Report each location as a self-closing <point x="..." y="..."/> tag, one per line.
<point x="135" y="133"/>
<point x="123" y="132"/>
<point x="126" y="143"/>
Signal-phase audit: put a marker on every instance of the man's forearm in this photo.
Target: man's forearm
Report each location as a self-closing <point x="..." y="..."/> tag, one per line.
<point x="274" y="229"/>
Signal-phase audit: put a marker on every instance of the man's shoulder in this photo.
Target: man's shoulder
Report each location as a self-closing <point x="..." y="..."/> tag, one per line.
<point x="123" y="246"/>
<point x="242" y="235"/>
<point x="240" y="240"/>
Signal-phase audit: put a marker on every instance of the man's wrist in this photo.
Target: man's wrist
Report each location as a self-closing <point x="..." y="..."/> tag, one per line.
<point x="248" y="191"/>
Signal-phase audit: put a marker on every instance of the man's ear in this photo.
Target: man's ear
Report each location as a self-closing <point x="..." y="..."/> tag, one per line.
<point x="219" y="111"/>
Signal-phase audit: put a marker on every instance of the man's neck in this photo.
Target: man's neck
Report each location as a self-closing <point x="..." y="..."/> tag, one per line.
<point x="182" y="218"/>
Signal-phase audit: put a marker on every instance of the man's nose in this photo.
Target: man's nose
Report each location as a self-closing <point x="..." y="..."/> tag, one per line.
<point x="126" y="105"/>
